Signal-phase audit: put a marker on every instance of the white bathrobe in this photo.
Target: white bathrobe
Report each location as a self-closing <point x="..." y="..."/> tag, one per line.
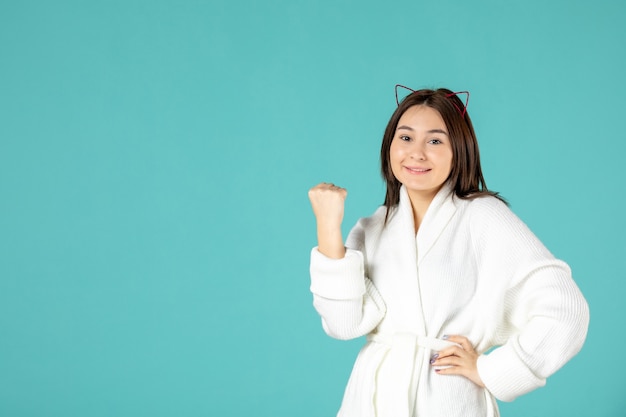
<point x="474" y="269"/>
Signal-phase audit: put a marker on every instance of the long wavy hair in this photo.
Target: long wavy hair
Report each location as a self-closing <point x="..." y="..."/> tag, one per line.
<point x="466" y="177"/>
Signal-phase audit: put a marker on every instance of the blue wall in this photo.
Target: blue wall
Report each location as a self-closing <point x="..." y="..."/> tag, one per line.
<point x="155" y="158"/>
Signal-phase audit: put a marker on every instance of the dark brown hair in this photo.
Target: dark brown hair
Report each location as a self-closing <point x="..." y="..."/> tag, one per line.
<point x="466" y="177"/>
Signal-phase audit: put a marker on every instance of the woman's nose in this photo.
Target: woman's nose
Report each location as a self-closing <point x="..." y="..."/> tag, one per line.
<point x="417" y="152"/>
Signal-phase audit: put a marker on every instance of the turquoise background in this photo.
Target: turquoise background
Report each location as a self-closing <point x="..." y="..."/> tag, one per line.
<point x="155" y="158"/>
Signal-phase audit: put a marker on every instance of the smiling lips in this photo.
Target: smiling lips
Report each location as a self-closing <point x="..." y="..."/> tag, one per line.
<point x="416" y="170"/>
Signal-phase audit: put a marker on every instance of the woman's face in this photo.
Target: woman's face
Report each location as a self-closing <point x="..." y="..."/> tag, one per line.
<point x="421" y="152"/>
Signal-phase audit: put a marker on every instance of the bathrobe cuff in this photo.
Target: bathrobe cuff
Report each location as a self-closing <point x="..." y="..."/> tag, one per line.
<point x="337" y="279"/>
<point x="505" y="375"/>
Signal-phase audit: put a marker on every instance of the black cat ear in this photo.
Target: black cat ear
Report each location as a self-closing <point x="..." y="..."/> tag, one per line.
<point x="406" y="88"/>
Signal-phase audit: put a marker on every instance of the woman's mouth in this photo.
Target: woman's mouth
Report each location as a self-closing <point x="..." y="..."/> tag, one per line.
<point x="416" y="170"/>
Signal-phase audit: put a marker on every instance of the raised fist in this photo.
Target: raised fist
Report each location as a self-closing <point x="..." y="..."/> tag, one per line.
<point x="327" y="201"/>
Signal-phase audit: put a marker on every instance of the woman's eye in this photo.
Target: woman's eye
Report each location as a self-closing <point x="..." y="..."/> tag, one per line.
<point x="435" y="141"/>
<point x="405" y="138"/>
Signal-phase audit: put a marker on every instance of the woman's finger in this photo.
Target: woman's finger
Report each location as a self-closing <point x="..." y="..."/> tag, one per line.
<point x="450" y="351"/>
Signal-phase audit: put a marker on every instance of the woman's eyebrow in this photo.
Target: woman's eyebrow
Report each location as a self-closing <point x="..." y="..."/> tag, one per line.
<point x="430" y="131"/>
<point x="438" y="131"/>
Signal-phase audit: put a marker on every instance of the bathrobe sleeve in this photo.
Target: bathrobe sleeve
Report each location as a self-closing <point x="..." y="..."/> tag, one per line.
<point x="544" y="317"/>
<point x="347" y="301"/>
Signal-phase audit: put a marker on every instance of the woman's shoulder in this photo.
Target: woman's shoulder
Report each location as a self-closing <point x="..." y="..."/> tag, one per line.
<point x="485" y="205"/>
<point x="365" y="228"/>
<point x="488" y="212"/>
<point x="491" y="216"/>
<point x="374" y="220"/>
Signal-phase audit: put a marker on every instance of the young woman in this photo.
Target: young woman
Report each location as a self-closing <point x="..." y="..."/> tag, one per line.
<point x="440" y="274"/>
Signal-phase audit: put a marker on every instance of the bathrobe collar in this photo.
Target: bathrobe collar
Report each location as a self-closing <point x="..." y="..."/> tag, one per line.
<point x="437" y="217"/>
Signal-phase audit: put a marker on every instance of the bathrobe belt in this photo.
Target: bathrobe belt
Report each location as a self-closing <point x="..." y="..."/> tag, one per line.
<point x="396" y="386"/>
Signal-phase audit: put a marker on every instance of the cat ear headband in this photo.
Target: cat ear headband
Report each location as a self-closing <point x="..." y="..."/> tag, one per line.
<point x="461" y="112"/>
